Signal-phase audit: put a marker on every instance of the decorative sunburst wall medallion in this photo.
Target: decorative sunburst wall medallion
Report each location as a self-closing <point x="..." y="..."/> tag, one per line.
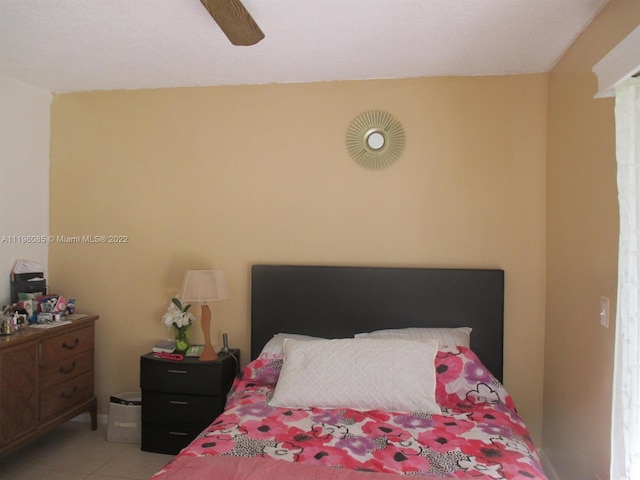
<point x="375" y="139"/>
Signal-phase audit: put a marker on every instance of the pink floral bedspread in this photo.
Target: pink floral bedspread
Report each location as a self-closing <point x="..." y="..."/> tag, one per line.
<point x="478" y="435"/>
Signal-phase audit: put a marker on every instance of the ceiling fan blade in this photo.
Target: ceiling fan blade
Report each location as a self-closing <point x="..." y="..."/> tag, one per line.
<point x="235" y="21"/>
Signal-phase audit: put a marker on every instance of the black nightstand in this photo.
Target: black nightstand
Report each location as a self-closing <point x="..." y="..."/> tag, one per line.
<point x="181" y="398"/>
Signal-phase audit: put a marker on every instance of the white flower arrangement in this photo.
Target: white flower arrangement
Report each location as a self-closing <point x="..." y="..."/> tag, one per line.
<point x="177" y="315"/>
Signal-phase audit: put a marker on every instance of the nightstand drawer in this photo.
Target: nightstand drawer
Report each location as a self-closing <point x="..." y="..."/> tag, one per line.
<point x="181" y="398"/>
<point x="158" y="407"/>
<point x="187" y="377"/>
<point x="168" y="438"/>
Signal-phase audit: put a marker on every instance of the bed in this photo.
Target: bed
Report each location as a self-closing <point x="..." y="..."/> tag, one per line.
<point x="368" y="373"/>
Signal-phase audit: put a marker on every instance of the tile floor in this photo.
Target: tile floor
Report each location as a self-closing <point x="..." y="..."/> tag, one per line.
<point x="74" y="452"/>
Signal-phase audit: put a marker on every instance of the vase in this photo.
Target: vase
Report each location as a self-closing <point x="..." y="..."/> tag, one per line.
<point x="182" y="341"/>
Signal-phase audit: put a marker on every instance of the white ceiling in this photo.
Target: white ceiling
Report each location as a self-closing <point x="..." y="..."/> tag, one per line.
<point x="79" y="45"/>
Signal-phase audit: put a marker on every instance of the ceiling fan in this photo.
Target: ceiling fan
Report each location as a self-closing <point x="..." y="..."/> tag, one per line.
<point x="235" y="21"/>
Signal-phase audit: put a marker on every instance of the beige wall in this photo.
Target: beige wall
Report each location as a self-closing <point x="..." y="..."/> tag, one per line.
<point x="230" y="176"/>
<point x="24" y="167"/>
<point x="582" y="236"/>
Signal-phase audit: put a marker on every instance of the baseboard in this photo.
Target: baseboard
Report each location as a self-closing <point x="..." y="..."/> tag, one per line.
<point x="86" y="418"/>
<point x="548" y="468"/>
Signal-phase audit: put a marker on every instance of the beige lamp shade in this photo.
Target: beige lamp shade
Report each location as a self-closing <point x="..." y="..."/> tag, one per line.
<point x="204" y="286"/>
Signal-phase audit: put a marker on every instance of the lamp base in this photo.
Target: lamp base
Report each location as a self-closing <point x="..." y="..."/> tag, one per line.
<point x="208" y="353"/>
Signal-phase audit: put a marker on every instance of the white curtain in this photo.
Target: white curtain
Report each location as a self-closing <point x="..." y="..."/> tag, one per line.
<point x="625" y="442"/>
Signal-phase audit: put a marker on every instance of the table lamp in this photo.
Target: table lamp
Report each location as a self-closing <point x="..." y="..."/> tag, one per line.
<point x="204" y="286"/>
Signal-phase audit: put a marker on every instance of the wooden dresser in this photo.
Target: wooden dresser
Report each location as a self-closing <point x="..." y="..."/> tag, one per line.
<point x="46" y="378"/>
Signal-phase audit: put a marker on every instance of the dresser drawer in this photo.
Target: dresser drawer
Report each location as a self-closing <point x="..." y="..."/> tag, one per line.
<point x="66" y="345"/>
<point x="186" y="377"/>
<point x="65" y="395"/>
<point x="158" y="407"/>
<point x="65" y="368"/>
<point x="168" y="438"/>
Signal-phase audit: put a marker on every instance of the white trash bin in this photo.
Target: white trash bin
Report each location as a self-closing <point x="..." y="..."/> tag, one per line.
<point x="125" y="411"/>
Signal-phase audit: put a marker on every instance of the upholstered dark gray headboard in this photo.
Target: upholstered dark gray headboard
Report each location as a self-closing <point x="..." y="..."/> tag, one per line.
<point x="336" y="302"/>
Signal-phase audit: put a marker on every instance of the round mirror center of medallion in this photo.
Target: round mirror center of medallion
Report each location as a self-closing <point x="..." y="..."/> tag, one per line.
<point x="375" y="141"/>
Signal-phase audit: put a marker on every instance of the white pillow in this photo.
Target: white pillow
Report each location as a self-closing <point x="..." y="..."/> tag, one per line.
<point x="361" y="374"/>
<point x="274" y="346"/>
<point x="446" y="336"/>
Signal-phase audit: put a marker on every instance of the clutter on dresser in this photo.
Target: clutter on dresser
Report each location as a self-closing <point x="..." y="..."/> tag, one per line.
<point x="12" y="322"/>
<point x="27" y="277"/>
<point x="34" y="309"/>
<point x="30" y="302"/>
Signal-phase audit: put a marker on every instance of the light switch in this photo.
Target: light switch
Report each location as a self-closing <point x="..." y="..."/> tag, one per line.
<point x="604" y="312"/>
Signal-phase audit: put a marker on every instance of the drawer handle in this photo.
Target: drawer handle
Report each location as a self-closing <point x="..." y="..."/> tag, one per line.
<point x="69" y="395"/>
<point x="71" y="347"/>
<point x="182" y="434"/>
<point x="177" y="371"/>
<point x="68" y="370"/>
<point x="178" y="402"/>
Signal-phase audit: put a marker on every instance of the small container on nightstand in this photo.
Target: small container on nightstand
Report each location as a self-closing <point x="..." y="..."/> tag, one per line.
<point x="181" y="398"/>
